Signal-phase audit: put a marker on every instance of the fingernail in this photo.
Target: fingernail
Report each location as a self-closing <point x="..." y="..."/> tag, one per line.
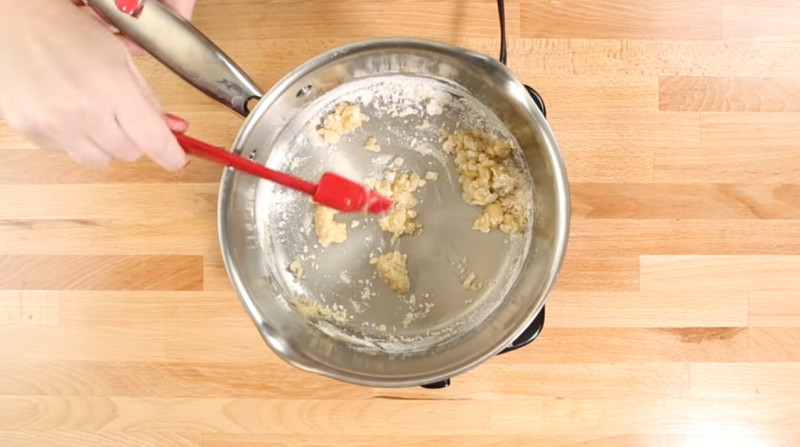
<point x="177" y="120"/>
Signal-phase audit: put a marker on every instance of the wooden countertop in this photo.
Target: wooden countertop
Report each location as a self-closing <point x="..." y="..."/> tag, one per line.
<point x="676" y="320"/>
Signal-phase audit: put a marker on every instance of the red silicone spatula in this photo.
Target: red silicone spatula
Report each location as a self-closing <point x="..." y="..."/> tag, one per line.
<point x="332" y="190"/>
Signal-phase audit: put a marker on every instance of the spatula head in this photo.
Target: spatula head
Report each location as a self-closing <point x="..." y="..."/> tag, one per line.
<point x="342" y="194"/>
<point x="377" y="203"/>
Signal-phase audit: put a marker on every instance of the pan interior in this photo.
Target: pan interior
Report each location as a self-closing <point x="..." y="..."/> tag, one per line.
<point x="340" y="290"/>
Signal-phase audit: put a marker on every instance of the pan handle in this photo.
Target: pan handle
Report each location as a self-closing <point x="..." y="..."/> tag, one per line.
<point x="182" y="48"/>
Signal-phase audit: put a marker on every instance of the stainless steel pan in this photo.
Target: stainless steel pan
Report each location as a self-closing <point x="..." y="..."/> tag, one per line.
<point x="438" y="330"/>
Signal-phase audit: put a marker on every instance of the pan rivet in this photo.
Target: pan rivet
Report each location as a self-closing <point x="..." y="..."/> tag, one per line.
<point x="304" y="91"/>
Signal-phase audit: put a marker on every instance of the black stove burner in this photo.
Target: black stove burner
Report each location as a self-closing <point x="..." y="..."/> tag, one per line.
<point x="535" y="328"/>
<point x="537" y="99"/>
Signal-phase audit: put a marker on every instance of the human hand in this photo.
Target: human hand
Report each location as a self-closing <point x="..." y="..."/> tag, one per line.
<point x="66" y="82"/>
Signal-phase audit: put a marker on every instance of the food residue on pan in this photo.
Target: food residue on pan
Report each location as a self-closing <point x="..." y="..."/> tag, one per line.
<point x="296" y="269"/>
<point x="310" y="309"/>
<point x="471" y="282"/>
<point x="417" y="311"/>
<point x="399" y="187"/>
<point x="392" y="269"/>
<point x="343" y="119"/>
<point x="372" y="145"/>
<point x="488" y="178"/>
<point x="328" y="230"/>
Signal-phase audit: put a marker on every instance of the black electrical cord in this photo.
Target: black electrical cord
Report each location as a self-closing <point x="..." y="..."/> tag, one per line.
<point x="501" y="10"/>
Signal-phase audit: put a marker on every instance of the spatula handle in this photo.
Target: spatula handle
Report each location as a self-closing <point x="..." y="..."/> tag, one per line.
<point x="221" y="156"/>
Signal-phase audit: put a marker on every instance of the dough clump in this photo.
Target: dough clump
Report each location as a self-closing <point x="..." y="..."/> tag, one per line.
<point x="400" y="188"/>
<point x="345" y="118"/>
<point x="297" y="269"/>
<point x="311" y="309"/>
<point x="392" y="268"/>
<point x="328" y="230"/>
<point x="488" y="178"/>
<point x="372" y="145"/>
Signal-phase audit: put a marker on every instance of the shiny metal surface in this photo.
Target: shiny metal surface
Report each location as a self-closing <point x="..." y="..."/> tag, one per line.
<point x="258" y="271"/>
<point x="261" y="229"/>
<point x="178" y="45"/>
<point x="341" y="275"/>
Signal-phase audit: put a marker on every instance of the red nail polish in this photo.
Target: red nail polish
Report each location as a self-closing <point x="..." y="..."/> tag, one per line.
<point x="131" y="7"/>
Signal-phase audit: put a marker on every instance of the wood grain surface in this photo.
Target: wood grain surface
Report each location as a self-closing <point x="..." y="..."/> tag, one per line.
<point x="675" y="322"/>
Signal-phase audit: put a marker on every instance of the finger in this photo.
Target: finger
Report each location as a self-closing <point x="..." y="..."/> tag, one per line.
<point x="113" y="140"/>
<point x="80" y="148"/>
<point x="142" y="84"/>
<point x="49" y="135"/>
<point x="146" y="126"/>
<point x="85" y="151"/>
<point x="133" y="49"/>
<point x="154" y="138"/>
<point x="97" y="18"/>
<point x="176" y="123"/>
